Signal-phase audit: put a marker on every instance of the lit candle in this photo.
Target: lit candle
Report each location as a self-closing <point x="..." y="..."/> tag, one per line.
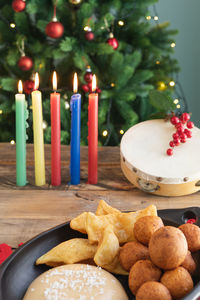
<point x="55" y="135"/>
<point x="20" y="136"/>
<point x="93" y="134"/>
<point x="75" y="105"/>
<point x="38" y="134"/>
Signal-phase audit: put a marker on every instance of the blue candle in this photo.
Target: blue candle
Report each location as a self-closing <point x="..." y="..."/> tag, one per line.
<point x="75" y="105"/>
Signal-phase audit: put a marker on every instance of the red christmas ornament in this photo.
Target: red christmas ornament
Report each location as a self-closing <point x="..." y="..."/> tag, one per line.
<point x="28" y="86"/>
<point x="5" y="251"/>
<point x="185" y="117"/>
<point x="98" y="90"/>
<point x="54" y="29"/>
<point x="88" y="74"/>
<point x="89" y="35"/>
<point x="112" y="41"/>
<point x="18" y="5"/>
<point x="85" y="88"/>
<point x="25" y="63"/>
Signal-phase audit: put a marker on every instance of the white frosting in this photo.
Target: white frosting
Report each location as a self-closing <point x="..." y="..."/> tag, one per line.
<point x="76" y="282"/>
<point x="144" y="147"/>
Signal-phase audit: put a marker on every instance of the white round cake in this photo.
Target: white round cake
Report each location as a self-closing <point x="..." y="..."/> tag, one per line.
<point x="76" y="282"/>
<point x="145" y="163"/>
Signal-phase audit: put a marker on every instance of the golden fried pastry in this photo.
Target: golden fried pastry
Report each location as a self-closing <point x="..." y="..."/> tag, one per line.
<point x="104" y="209"/>
<point x="69" y="252"/>
<point x="131" y="252"/>
<point x="144" y="228"/>
<point x="168" y="247"/>
<point x="178" y="281"/>
<point x="108" y="247"/>
<point x="192" y="234"/>
<point x="153" y="290"/>
<point x="141" y="272"/>
<point x="189" y="263"/>
<point x="123" y="224"/>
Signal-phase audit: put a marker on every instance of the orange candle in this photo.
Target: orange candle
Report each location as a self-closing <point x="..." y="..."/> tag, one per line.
<point x="93" y="134"/>
<point x="55" y="135"/>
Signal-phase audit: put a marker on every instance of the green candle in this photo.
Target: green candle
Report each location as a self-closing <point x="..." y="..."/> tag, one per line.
<point x="20" y="137"/>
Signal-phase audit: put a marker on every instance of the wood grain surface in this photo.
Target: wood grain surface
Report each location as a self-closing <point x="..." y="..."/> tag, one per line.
<point x="27" y="211"/>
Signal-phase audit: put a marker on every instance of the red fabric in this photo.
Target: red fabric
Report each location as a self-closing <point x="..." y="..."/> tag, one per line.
<point x="5" y="251"/>
<point x="191" y="221"/>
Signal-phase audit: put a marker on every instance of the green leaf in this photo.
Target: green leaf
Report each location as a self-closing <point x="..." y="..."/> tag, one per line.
<point x="8" y="84"/>
<point x="12" y="57"/>
<point x="67" y="44"/>
<point x="133" y="59"/>
<point x="41" y="25"/>
<point x="142" y="75"/>
<point x="22" y="23"/>
<point x="104" y="49"/>
<point x="161" y="101"/>
<point x="126" y="96"/>
<point x="124" y="77"/>
<point x="32" y="7"/>
<point x="58" y="54"/>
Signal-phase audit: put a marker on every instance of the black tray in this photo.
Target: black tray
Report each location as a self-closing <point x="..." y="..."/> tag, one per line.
<point x="19" y="270"/>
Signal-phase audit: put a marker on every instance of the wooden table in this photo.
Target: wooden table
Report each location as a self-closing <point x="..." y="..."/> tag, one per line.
<point x="27" y="211"/>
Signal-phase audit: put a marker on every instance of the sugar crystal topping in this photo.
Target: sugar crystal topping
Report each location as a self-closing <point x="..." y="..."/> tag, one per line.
<point x="82" y="280"/>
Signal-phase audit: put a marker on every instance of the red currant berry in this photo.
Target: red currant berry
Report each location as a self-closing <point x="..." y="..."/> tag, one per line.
<point x="175" y="135"/>
<point x="169" y="151"/>
<point x="180" y="130"/>
<point x="183" y="140"/>
<point x="172" y="144"/>
<point x="174" y="120"/>
<point x="185" y="117"/>
<point x="178" y="124"/>
<point x="190" y="124"/>
<point x="177" y="142"/>
<point x="189" y="134"/>
<point x="183" y="136"/>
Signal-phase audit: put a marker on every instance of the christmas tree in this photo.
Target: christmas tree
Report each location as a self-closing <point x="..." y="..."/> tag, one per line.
<point x="129" y="53"/>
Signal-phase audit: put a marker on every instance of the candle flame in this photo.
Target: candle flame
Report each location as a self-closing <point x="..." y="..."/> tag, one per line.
<point x="54" y="81"/>
<point x="20" y="87"/>
<point x="36" y="81"/>
<point x="75" y="88"/>
<point x="94" y="83"/>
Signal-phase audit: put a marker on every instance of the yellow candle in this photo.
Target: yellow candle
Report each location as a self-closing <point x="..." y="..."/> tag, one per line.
<point x="38" y="134"/>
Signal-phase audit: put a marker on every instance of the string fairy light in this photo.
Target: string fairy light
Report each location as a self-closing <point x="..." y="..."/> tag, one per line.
<point x="148" y="18"/>
<point x="173" y="45"/>
<point x="12" y="142"/>
<point x="172" y="83"/>
<point x="176" y="101"/>
<point x="121" y="131"/>
<point x="67" y="106"/>
<point x="105" y="133"/>
<point x="44" y="125"/>
<point x="12" y="25"/>
<point x="121" y="23"/>
<point x="1" y="111"/>
<point x="112" y="84"/>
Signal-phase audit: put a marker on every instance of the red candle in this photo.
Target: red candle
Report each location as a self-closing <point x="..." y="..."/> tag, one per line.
<point x="55" y="135"/>
<point x="93" y="134"/>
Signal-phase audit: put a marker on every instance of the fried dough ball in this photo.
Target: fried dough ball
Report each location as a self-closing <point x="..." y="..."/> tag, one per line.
<point x="178" y="281"/>
<point x="168" y="247"/>
<point x="131" y="252"/>
<point x="145" y="227"/>
<point x="153" y="290"/>
<point x="141" y="272"/>
<point x="192" y="234"/>
<point x="189" y="263"/>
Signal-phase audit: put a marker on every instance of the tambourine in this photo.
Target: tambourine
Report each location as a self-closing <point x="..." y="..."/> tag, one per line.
<point x="145" y="163"/>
